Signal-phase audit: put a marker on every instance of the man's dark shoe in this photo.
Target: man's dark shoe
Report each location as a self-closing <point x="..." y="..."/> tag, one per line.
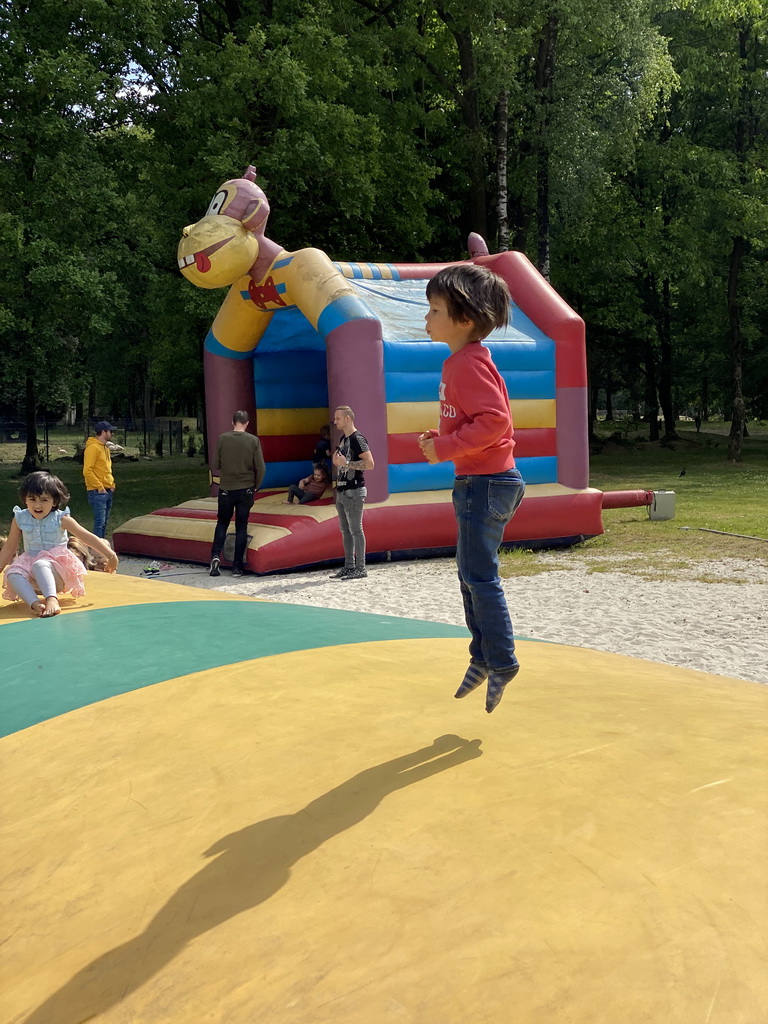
<point x="357" y="574"/>
<point x="342" y="574"/>
<point x="238" y="570"/>
<point x="214" y="569"/>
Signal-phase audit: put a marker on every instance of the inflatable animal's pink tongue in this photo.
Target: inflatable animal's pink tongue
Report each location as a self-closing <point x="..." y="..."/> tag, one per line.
<point x="202" y="262"/>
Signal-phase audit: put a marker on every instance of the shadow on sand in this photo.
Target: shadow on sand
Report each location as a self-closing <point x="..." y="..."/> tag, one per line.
<point x="250" y="866"/>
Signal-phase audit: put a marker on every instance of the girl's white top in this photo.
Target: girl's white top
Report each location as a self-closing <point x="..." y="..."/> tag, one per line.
<point x="41" y="534"/>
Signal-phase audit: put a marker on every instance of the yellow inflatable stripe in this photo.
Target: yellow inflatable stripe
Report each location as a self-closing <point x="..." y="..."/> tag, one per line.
<point x="367" y="271"/>
<point x="418" y="498"/>
<point x="272" y="505"/>
<point x="534" y="412"/>
<point x="408" y="417"/>
<point x="277" y="422"/>
<point x="197" y="529"/>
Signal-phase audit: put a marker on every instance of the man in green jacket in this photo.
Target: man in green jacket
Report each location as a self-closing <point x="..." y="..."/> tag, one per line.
<point x="241" y="471"/>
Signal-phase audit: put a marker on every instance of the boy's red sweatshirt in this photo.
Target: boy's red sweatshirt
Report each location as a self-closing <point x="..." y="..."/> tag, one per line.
<point x="475" y="422"/>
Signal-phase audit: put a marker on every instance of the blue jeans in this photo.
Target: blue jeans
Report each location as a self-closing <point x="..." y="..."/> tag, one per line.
<point x="101" y="504"/>
<point x="484" y="505"/>
<point x="238" y="503"/>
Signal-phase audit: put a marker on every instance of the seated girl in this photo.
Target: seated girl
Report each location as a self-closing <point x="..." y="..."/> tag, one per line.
<point x="311" y="487"/>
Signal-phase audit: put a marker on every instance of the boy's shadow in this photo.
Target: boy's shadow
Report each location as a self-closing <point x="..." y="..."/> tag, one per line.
<point x="250" y="866"/>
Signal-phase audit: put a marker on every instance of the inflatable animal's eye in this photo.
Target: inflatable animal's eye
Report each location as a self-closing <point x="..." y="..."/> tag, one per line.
<point x="216" y="203"/>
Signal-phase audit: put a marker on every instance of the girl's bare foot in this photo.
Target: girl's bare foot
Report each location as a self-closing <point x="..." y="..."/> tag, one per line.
<point x="52" y="607"/>
<point x="38" y="607"/>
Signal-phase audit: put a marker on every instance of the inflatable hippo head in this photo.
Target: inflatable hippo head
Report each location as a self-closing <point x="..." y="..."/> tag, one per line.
<point x="224" y="244"/>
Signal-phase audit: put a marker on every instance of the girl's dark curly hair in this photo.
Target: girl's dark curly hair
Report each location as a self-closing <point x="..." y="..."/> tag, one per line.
<point x="44" y="483"/>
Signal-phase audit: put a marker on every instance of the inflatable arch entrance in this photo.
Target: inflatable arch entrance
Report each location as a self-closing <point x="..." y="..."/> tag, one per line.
<point x="298" y="335"/>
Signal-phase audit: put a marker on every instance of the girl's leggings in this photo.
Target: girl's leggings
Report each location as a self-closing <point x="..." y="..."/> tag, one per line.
<point x="294" y="491"/>
<point x="46" y="577"/>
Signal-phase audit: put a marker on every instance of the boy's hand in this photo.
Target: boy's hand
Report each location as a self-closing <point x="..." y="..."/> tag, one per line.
<point x="427" y="445"/>
<point x="338" y="459"/>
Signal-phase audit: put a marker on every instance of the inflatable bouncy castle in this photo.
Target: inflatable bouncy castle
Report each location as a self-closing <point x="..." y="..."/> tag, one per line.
<point x="298" y="335"/>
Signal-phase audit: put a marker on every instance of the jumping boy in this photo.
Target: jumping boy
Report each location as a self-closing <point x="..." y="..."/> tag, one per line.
<point x="467" y="302"/>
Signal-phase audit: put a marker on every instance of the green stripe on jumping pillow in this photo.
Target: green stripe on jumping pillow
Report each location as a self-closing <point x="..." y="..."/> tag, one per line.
<point x="53" y="666"/>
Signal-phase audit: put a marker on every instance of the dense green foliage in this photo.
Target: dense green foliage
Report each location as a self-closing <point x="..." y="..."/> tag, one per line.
<point x="621" y="144"/>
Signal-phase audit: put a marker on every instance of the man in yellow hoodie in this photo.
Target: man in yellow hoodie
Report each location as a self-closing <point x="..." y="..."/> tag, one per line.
<point x="97" y="470"/>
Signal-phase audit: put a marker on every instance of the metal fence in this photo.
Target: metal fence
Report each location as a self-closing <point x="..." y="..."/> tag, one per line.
<point x="161" y="437"/>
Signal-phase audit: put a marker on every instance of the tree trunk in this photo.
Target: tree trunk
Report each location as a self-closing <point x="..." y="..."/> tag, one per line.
<point x="545" y="77"/>
<point x="745" y="142"/>
<point x="91" y="409"/>
<point x="30" y="461"/>
<point x="665" y="368"/>
<point x="149" y="411"/>
<point x="502" y="190"/>
<point x="471" y="109"/>
<point x="738" y="418"/>
<point x="651" y="396"/>
<point x="609" y="397"/>
<point x="594" y="393"/>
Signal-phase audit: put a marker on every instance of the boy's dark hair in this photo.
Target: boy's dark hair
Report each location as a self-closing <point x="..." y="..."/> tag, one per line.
<point x="45" y="483"/>
<point x="241" y="416"/>
<point x="323" y="467"/>
<point x="325" y="431"/>
<point x="472" y="293"/>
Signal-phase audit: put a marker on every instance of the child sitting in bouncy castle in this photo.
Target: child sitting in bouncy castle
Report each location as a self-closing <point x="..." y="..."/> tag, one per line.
<point x="311" y="487"/>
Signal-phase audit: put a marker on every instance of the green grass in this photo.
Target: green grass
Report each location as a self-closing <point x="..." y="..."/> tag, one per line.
<point x="141" y="487"/>
<point x="713" y="494"/>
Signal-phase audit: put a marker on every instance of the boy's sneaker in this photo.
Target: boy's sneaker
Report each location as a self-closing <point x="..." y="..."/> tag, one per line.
<point x="214" y="569"/>
<point x="342" y="574"/>
<point x="357" y="574"/>
<point x="238" y="570"/>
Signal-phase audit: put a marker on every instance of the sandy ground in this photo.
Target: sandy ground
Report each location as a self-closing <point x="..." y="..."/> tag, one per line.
<point x="720" y="627"/>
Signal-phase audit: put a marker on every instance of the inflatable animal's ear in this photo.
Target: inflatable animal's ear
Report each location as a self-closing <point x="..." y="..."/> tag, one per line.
<point x="242" y="200"/>
<point x="477" y="245"/>
<point x="255" y="214"/>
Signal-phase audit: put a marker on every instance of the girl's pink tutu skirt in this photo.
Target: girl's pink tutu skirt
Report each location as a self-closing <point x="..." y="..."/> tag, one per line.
<point x="70" y="569"/>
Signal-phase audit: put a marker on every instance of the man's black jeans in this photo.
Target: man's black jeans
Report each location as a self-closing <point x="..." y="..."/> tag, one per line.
<point x="239" y="503"/>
